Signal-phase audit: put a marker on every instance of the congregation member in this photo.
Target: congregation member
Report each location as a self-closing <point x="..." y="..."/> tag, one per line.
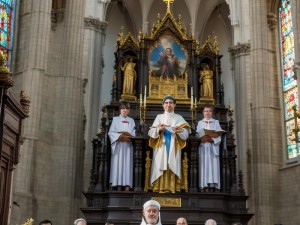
<point x="80" y="221"/>
<point x="181" y="221"/>
<point x="151" y="213"/>
<point x="45" y="222"/>
<point x="210" y="222"/>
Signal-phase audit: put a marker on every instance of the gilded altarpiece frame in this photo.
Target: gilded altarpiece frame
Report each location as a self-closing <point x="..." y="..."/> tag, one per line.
<point x="180" y="75"/>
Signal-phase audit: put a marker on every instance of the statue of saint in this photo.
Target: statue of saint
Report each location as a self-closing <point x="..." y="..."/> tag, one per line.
<point x="129" y="76"/>
<point x="206" y="81"/>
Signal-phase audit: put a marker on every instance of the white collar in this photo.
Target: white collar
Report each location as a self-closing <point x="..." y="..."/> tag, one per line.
<point x="169" y="113"/>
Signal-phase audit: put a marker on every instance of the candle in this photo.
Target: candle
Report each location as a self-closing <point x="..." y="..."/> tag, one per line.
<point x="192" y="96"/>
<point x="145" y="95"/>
<point x="141" y="100"/>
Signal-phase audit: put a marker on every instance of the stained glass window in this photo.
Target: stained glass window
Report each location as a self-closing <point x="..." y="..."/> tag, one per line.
<point x="6" y="24"/>
<point x="290" y="90"/>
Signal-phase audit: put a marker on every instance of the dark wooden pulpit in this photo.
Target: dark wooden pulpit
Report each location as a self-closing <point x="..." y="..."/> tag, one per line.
<point x="11" y="116"/>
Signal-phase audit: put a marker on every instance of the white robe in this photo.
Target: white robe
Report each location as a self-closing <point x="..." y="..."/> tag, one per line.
<point x="121" y="169"/>
<point x="160" y="159"/>
<point x="209" y="160"/>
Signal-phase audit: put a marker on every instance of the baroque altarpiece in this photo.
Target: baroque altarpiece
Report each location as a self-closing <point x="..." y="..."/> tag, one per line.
<point x="167" y="60"/>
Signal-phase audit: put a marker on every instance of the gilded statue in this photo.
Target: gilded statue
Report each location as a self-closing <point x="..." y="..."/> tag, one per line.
<point x="129" y="76"/>
<point x="206" y="81"/>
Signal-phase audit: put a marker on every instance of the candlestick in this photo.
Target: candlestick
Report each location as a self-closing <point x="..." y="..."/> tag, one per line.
<point x="141" y="100"/>
<point x="192" y="97"/>
<point x="145" y="95"/>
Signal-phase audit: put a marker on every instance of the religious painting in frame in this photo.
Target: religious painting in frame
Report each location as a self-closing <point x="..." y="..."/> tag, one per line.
<point x="168" y="68"/>
<point x="168" y="58"/>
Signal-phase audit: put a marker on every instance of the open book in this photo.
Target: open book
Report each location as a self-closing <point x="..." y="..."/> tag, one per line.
<point x="171" y="129"/>
<point x="208" y="132"/>
<point x="126" y="133"/>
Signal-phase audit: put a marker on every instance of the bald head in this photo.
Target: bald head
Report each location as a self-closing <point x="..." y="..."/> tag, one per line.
<point x="80" y="221"/>
<point x="210" y="222"/>
<point x="181" y="221"/>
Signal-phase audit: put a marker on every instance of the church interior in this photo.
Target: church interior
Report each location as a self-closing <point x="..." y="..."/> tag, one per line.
<point x="65" y="66"/>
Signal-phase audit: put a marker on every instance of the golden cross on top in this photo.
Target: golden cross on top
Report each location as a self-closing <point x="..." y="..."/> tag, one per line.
<point x="168" y="2"/>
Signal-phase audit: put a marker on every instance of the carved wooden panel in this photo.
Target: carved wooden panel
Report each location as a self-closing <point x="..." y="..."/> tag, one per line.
<point x="11" y="116"/>
<point x="5" y="185"/>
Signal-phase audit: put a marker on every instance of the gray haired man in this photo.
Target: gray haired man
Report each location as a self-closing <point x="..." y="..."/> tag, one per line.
<point x="151" y="214"/>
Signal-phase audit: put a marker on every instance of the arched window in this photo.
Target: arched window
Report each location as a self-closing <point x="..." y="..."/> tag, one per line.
<point x="289" y="83"/>
<point x="6" y="27"/>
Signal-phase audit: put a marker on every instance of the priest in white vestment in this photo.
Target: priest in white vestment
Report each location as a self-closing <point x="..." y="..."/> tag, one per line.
<point x="168" y="135"/>
<point x="121" y="169"/>
<point x="151" y="213"/>
<point x="209" y="160"/>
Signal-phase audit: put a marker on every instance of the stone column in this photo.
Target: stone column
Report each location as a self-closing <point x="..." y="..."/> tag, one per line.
<point x="94" y="29"/>
<point x="240" y="57"/>
<point x="68" y="151"/>
<point x="29" y="73"/>
<point x="265" y="156"/>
